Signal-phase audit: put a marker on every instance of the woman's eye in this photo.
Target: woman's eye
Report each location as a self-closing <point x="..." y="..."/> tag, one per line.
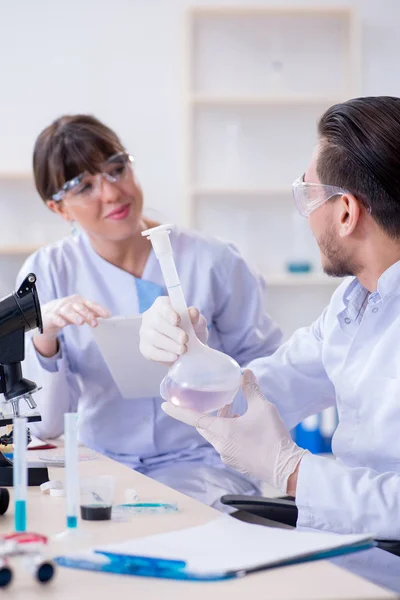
<point x="117" y="171"/>
<point x="84" y="188"/>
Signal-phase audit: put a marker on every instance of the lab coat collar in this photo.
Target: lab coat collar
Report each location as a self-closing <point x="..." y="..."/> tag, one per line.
<point x="356" y="295"/>
<point x="389" y="281"/>
<point x="105" y="264"/>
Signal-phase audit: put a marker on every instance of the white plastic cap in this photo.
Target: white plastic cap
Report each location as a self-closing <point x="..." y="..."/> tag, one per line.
<point x="159" y="237"/>
<point x="51" y="485"/>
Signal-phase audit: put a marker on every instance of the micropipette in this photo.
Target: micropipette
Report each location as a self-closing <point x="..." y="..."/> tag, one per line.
<point x="71" y="469"/>
<point x="20" y="472"/>
<point x="203" y="378"/>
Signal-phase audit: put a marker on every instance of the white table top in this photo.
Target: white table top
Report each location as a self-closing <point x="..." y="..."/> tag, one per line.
<point x="46" y="514"/>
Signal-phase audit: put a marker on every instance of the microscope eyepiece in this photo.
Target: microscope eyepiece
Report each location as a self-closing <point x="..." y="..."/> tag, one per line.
<point x="19" y="313"/>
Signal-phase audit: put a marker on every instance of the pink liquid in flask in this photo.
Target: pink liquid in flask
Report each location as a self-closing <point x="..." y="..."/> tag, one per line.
<point x="200" y="400"/>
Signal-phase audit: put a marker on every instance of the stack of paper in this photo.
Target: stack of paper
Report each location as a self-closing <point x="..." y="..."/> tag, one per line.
<point x="118" y="340"/>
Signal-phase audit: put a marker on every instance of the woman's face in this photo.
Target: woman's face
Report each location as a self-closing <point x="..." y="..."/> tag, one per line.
<point x="107" y="205"/>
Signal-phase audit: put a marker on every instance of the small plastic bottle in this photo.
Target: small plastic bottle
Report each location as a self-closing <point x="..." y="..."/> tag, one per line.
<point x="300" y="256"/>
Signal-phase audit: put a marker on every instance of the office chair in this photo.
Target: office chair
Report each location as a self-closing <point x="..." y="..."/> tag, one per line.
<point x="284" y="510"/>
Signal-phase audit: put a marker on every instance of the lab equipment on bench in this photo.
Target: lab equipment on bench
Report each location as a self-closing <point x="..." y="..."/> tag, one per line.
<point x="202" y="378"/>
<point x="96" y="497"/>
<point x="20" y="474"/>
<point x="19" y="313"/>
<point x="29" y="547"/>
<point x="71" y="469"/>
<point x="140" y="508"/>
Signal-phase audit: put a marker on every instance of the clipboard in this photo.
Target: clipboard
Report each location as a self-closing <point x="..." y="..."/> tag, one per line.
<point x="224" y="548"/>
<point x="118" y="341"/>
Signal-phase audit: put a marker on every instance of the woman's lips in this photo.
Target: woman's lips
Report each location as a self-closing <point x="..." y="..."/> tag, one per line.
<point x="119" y="213"/>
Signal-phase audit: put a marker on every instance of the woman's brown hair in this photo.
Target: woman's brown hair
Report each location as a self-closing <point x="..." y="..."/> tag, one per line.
<point x="69" y="146"/>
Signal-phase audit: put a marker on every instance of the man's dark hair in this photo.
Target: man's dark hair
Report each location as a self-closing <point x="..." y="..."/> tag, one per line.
<point x="360" y="151"/>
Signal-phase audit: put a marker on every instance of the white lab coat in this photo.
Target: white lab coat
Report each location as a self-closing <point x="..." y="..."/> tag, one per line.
<point x="350" y="357"/>
<point x="137" y="432"/>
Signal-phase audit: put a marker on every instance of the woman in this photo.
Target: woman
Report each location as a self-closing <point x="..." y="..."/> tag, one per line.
<point x="84" y="174"/>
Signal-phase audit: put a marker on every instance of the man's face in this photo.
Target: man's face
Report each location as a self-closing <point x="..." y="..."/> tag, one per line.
<point x="324" y="222"/>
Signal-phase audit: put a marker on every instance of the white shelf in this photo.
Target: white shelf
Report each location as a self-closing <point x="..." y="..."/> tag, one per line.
<point x="260" y="101"/>
<point x="301" y="279"/>
<point x="16" y="175"/>
<point x="240" y="192"/>
<point x="249" y="11"/>
<point x="18" y="250"/>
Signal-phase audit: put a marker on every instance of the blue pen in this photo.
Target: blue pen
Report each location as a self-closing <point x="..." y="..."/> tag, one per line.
<point x="139" y="569"/>
<point x="144" y="561"/>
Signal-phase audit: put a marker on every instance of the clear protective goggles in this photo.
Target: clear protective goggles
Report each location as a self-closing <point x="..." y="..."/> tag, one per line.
<point x="85" y="186"/>
<point x="309" y="196"/>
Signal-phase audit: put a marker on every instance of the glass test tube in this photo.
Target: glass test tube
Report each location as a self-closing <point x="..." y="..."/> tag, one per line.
<point x="20" y="472"/>
<point x="71" y="468"/>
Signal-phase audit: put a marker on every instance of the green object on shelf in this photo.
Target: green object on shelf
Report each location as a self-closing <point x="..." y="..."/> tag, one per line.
<point x="300" y="267"/>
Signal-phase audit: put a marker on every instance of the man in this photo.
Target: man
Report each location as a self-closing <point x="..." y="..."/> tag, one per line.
<point x="350" y="356"/>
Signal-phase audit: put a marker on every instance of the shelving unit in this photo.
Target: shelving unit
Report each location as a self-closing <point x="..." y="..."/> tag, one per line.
<point x="293" y="100"/>
<point x="257" y="81"/>
<point x="304" y="279"/>
<point x="15" y="175"/>
<point x="27" y="225"/>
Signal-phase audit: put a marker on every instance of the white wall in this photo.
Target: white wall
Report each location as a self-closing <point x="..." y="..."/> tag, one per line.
<point x="123" y="61"/>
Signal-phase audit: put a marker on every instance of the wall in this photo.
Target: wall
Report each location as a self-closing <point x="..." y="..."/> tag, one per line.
<point x="123" y="61"/>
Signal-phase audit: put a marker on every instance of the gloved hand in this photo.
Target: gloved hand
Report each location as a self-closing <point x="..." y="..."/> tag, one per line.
<point x="257" y="443"/>
<point x="71" y="310"/>
<point x="57" y="314"/>
<point x="161" y="338"/>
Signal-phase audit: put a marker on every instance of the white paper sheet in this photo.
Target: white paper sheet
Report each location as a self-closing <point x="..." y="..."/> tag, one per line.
<point x="118" y="340"/>
<point x="227" y="544"/>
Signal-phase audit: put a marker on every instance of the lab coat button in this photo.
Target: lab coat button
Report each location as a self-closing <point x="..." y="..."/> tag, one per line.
<point x="347" y="321"/>
<point x="375" y="309"/>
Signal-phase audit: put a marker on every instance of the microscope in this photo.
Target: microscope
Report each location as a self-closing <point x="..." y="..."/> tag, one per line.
<point x="19" y="313"/>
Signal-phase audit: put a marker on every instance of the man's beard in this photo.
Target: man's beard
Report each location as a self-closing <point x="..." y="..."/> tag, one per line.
<point x="337" y="264"/>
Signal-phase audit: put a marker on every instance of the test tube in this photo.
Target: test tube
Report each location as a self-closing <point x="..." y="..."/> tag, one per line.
<point x="20" y="472"/>
<point x="71" y="468"/>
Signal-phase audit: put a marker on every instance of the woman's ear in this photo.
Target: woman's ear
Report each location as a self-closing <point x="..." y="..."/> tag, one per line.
<point x="59" y="208"/>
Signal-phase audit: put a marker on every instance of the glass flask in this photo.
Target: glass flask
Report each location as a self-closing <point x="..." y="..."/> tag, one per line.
<point x="203" y="379"/>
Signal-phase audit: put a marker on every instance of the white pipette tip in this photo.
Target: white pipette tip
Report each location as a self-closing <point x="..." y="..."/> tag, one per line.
<point x="159" y="237"/>
<point x="155" y="230"/>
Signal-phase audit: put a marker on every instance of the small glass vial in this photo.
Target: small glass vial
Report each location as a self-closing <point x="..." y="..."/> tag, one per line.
<point x="300" y="255"/>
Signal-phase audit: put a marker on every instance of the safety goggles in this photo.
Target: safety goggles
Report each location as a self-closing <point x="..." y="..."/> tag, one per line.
<point x="309" y="196"/>
<point x="86" y="187"/>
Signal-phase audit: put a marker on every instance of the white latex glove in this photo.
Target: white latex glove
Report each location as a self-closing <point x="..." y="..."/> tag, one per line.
<point x="71" y="310"/>
<point x="257" y="444"/>
<point x="161" y="338"/>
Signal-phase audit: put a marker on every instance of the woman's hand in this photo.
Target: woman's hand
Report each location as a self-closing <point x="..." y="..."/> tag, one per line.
<point x="57" y="314"/>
